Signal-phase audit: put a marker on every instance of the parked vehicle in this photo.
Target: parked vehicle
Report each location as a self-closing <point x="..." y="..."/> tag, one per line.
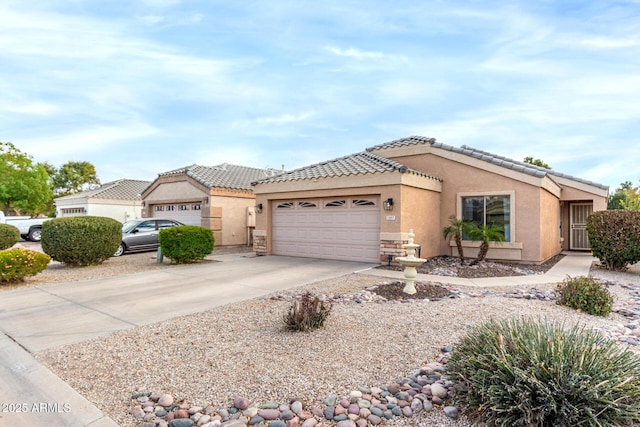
<point x="142" y="234"/>
<point x="30" y="228"/>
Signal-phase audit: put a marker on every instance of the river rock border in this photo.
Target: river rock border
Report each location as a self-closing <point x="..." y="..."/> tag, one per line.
<point x="426" y="389"/>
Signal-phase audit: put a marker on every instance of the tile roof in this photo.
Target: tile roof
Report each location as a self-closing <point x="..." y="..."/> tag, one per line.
<point x="505" y="162"/>
<point x="121" y="189"/>
<point x="355" y="164"/>
<point x="224" y="175"/>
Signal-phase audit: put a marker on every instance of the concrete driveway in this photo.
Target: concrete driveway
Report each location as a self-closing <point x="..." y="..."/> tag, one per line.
<point x="44" y="317"/>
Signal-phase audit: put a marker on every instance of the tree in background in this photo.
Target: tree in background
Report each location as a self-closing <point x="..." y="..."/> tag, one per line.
<point x="626" y="196"/>
<point x="25" y="187"/>
<point x="74" y="177"/>
<point x="536" y="162"/>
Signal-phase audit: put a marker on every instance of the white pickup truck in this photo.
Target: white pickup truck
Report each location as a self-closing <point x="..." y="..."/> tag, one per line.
<point x="29" y="227"/>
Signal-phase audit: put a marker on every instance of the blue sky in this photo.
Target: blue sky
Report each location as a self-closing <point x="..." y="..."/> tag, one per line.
<point x="139" y="87"/>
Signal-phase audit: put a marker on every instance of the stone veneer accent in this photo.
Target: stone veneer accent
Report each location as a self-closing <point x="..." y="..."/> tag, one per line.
<point x="393" y="248"/>
<point x="260" y="244"/>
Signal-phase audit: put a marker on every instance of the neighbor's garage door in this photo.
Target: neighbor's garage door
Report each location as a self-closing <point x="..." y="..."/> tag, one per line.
<point x="338" y="228"/>
<point x="186" y="213"/>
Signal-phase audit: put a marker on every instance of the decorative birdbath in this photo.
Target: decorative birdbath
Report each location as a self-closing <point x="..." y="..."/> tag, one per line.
<point x="410" y="262"/>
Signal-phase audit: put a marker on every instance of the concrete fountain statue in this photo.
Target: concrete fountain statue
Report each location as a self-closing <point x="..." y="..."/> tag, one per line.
<point x="410" y="262"/>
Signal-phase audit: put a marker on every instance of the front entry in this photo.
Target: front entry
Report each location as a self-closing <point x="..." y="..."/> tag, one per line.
<point x="579" y="239"/>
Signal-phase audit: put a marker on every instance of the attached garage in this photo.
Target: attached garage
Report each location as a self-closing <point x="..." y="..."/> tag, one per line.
<point x="331" y="228"/>
<point x="186" y="213"/>
<point x="345" y="209"/>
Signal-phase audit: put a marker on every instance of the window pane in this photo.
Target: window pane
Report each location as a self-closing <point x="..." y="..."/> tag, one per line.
<point x="499" y="213"/>
<point x="473" y="209"/>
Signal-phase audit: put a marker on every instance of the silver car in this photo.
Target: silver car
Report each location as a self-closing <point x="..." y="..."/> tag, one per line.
<point x="142" y="234"/>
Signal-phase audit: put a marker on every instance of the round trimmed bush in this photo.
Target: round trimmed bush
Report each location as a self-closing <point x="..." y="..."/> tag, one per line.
<point x="186" y="243"/>
<point x="585" y="294"/>
<point x="9" y="236"/>
<point x="16" y="264"/>
<point x="528" y="372"/>
<point x="81" y="240"/>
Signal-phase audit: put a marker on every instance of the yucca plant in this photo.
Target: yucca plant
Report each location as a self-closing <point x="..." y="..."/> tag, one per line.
<point x="585" y="294"/>
<point x="528" y="372"/>
<point x="307" y="313"/>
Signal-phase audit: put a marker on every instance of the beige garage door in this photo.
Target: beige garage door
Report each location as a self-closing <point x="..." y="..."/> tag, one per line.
<point x="338" y="228"/>
<point x="186" y="213"/>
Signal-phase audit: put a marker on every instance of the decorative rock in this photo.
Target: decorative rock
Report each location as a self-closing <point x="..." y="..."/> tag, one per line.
<point x="293" y="422"/>
<point x="407" y="412"/>
<point x="250" y="412"/>
<point x="393" y="388"/>
<point x="181" y="413"/>
<point x="311" y="422"/>
<point x="340" y="417"/>
<point x="331" y="400"/>
<point x="361" y="422"/>
<point x="286" y="415"/>
<point x="439" y="390"/>
<point x="181" y="422"/>
<point x="357" y="394"/>
<point x="165" y="400"/>
<point x="374" y="419"/>
<point x="354" y="409"/>
<point x="346" y="423"/>
<point x="203" y="420"/>
<point x="241" y="403"/>
<point x="269" y="414"/>
<point x="427" y="405"/>
<point x="255" y="420"/>
<point x="138" y="413"/>
<point x="451" y="411"/>
<point x="328" y="412"/>
<point x="277" y="423"/>
<point x="296" y="407"/>
<point x="269" y="405"/>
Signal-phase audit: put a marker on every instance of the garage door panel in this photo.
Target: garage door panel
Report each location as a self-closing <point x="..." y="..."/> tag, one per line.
<point x="348" y="232"/>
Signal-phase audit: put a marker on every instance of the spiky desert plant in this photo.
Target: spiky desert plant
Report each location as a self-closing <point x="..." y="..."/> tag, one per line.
<point x="531" y="372"/>
<point x="307" y="313"/>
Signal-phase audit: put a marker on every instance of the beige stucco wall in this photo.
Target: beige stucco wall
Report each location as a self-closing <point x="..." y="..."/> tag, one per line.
<point x="550" y="243"/>
<point x="120" y="210"/>
<point x="222" y="210"/>
<point x="461" y="179"/>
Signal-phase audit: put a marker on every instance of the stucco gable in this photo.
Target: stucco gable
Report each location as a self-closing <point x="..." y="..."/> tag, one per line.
<point x="504" y="162"/>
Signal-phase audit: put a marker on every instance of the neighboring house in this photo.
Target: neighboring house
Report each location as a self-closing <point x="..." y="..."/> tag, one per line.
<point x="361" y="207"/>
<point x="217" y="197"/>
<point x="119" y="200"/>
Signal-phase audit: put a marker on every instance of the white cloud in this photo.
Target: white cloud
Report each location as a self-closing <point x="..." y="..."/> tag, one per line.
<point x="355" y="53"/>
<point x="284" y="119"/>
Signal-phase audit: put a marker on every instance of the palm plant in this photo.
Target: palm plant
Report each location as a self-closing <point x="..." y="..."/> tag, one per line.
<point x="486" y="234"/>
<point x="455" y="229"/>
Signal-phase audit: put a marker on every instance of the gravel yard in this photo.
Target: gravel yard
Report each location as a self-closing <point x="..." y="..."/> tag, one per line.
<point x="242" y="349"/>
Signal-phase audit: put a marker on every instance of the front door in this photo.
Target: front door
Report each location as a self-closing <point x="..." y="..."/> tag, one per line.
<point x="579" y="240"/>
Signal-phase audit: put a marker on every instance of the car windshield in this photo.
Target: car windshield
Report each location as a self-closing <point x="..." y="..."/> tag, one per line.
<point x="129" y="225"/>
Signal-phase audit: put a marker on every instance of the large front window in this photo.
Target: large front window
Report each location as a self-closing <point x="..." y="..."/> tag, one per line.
<point x="488" y="210"/>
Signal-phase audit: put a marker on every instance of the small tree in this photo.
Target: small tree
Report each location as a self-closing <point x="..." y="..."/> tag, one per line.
<point x="536" y="162"/>
<point x="485" y="234"/>
<point x="455" y="229"/>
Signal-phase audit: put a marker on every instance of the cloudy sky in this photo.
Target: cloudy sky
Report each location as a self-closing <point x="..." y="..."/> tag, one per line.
<point x="139" y="87"/>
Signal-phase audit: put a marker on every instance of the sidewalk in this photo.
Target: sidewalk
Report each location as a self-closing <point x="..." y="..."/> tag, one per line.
<point x="571" y="265"/>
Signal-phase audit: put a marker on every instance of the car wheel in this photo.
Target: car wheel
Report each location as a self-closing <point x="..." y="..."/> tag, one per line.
<point x="35" y="234"/>
<point x="120" y="250"/>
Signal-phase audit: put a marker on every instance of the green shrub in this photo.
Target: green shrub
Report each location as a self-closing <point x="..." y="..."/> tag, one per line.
<point x="586" y="294"/>
<point x="307" y="313"/>
<point x="615" y="237"/>
<point x="16" y="264"/>
<point x="527" y="372"/>
<point x="9" y="236"/>
<point x="81" y="240"/>
<point x="186" y="243"/>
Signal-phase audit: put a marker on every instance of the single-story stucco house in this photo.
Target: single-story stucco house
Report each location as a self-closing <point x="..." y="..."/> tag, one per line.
<point x="217" y="197"/>
<point x="361" y="207"/>
<point x="118" y="199"/>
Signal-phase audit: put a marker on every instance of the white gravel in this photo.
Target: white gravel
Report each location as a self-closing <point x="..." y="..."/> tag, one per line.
<point x="242" y="349"/>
